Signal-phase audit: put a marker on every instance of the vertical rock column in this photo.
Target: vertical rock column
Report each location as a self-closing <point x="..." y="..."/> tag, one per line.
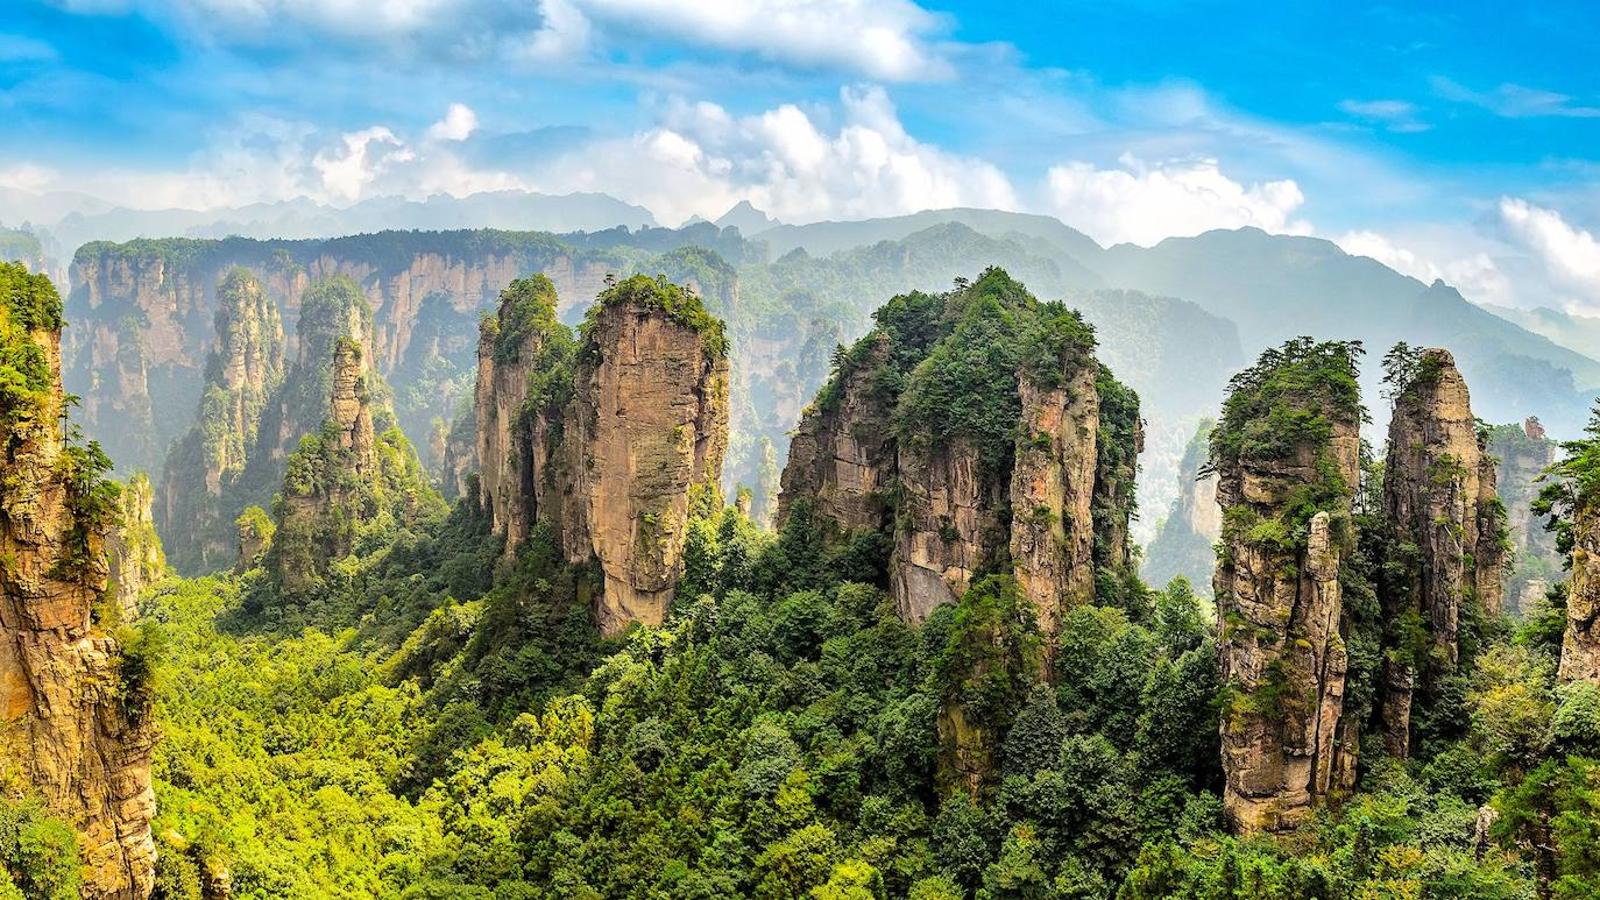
<point x="68" y="724"/>
<point x="1052" y="492"/>
<point x="1580" y="648"/>
<point x="647" y="424"/>
<point x="1285" y="744"/>
<point x="1439" y="497"/>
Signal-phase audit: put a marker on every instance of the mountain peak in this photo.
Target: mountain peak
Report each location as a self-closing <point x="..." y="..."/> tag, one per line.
<point x="745" y="217"/>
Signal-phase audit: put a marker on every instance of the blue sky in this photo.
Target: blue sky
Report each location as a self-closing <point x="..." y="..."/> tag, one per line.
<point x="1459" y="140"/>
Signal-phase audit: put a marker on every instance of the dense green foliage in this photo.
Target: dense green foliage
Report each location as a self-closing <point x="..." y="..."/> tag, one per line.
<point x="38" y="853"/>
<point x="28" y="303"/>
<point x="681" y="305"/>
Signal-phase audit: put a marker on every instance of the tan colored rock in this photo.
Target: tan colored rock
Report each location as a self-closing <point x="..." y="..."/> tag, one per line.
<point x="1580" y="647"/>
<point x="504" y="444"/>
<point x="66" y="727"/>
<point x="1052" y="495"/>
<point x="648" y="424"/>
<point x="134" y="549"/>
<point x="1285" y="744"/>
<point x="947" y="526"/>
<point x="1439" y="496"/>
<point x="350" y="406"/>
<point x="841" y="458"/>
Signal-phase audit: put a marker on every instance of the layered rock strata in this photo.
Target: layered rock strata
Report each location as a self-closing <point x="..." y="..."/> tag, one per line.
<point x="1439" y="498"/>
<point x="605" y="441"/>
<point x="1286" y="744"/>
<point x="74" y="726"/>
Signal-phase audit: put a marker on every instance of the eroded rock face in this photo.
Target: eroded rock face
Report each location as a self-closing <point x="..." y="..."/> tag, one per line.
<point x="948" y="526"/>
<point x="841" y="457"/>
<point x="244" y="370"/>
<point x="1285" y="743"/>
<point x="332" y="482"/>
<point x="1524" y="452"/>
<point x="133" y="548"/>
<point x="647" y="425"/>
<point x="66" y="725"/>
<point x="1580" y="648"/>
<point x="1052" y="496"/>
<point x="504" y="442"/>
<point x="1439" y="496"/>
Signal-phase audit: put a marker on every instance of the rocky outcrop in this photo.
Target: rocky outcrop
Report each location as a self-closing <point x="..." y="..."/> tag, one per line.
<point x="841" y="456"/>
<point x="145" y="309"/>
<point x="243" y="372"/>
<point x="1580" y="647"/>
<point x="603" y="442"/>
<point x="1052" y="495"/>
<point x="133" y="548"/>
<point x="1008" y="467"/>
<point x="523" y="338"/>
<point x="1523" y="453"/>
<point x="647" y="426"/>
<point x="1286" y="744"/>
<point x="73" y="710"/>
<point x="947" y="527"/>
<point x="329" y="485"/>
<point x="1439" y="498"/>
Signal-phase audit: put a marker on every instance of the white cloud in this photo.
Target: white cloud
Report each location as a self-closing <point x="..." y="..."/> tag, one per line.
<point x="886" y="39"/>
<point x="27" y="177"/>
<point x="1401" y="259"/>
<point x="1143" y="204"/>
<point x="1570" y="255"/>
<point x="458" y="124"/>
<point x="1515" y="101"/>
<point x="1395" y="115"/>
<point x="1476" y="275"/>
<point x="889" y="40"/>
<point x="364" y="156"/>
<point x="564" y="33"/>
<point x="701" y="160"/>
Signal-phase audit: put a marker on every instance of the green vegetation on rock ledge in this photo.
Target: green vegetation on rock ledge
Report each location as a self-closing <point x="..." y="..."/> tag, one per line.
<point x="680" y="304"/>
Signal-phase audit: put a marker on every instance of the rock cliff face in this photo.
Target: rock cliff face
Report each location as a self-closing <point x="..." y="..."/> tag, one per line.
<point x="1439" y="497"/>
<point x="647" y="425"/>
<point x="603" y="441"/>
<point x="841" y="457"/>
<point x="71" y="725"/>
<point x="1286" y="744"/>
<point x="1524" y="452"/>
<point x="1006" y="467"/>
<point x="144" y="311"/>
<point x="1053" y="484"/>
<point x="243" y="373"/>
<point x="330" y="484"/>
<point x="947" y="527"/>
<point x="522" y="342"/>
<point x="133" y="548"/>
<point x="1580" y="648"/>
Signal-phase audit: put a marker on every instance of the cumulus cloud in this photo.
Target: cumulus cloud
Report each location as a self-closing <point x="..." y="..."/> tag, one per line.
<point x="1142" y="204"/>
<point x="1570" y="255"/>
<point x="700" y="160"/>
<point x="458" y="124"/>
<point x="1476" y="274"/>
